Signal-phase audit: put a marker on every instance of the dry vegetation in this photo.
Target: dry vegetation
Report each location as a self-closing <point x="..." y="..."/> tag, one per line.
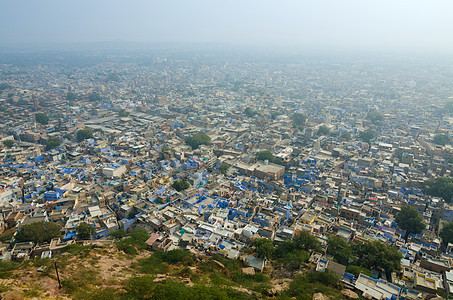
<point x="104" y="272"/>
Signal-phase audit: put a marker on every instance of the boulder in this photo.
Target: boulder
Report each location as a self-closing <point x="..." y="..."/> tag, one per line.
<point x="248" y="271"/>
<point x="350" y="294"/>
<point x="319" y="296"/>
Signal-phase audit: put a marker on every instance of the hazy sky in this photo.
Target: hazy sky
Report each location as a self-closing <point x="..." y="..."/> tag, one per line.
<point x="324" y="23"/>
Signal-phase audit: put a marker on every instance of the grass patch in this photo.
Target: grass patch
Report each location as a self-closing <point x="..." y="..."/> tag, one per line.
<point x="78" y="249"/>
<point x="5" y="288"/>
<point x="144" y="288"/>
<point x="33" y="291"/>
<point x="159" y="261"/>
<point x="7" y="268"/>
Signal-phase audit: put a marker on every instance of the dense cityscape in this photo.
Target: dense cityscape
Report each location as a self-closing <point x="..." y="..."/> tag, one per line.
<point x="281" y="173"/>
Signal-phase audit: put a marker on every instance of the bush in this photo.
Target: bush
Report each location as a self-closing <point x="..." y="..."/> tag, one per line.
<point x="76" y="249"/>
<point x="176" y="256"/>
<point x="126" y="246"/>
<point x="140" y="287"/>
<point x="118" y="234"/>
<point x="304" y="286"/>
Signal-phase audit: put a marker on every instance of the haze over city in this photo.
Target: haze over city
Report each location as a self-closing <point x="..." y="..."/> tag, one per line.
<point x="351" y="24"/>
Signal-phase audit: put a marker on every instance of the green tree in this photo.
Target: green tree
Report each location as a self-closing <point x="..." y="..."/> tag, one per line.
<point x="38" y="232"/>
<point x="52" y="143"/>
<point x="198" y="139"/>
<point x="409" y="219"/>
<point x="299" y="119"/>
<point x="275" y="114"/>
<point x="94" y="97"/>
<point x="8" y="143"/>
<point x="440" y="187"/>
<point x="323" y="130"/>
<point x="71" y="96"/>
<point x="441" y="139"/>
<point x="367" y="135"/>
<point x="249" y="112"/>
<point x="340" y="249"/>
<point x="294" y="252"/>
<point x="84" y="134"/>
<point x="85" y="231"/>
<point x="267" y="155"/>
<point x="224" y="168"/>
<point x="264" y="248"/>
<point x="346" y="136"/>
<point x="42" y="118"/>
<point x="376" y="254"/>
<point x="374" y="116"/>
<point x="123" y="113"/>
<point x="446" y="233"/>
<point x="180" y="185"/>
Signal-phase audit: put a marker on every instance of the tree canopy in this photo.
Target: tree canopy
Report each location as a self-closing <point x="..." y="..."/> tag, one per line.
<point x="364" y="256"/>
<point x="180" y="185"/>
<point x="446" y="233"/>
<point x="198" y="139"/>
<point x="94" y="97"/>
<point x="267" y="155"/>
<point x="294" y="252"/>
<point x="374" y="116"/>
<point x="440" y="187"/>
<point x="441" y="139"/>
<point x="264" y="248"/>
<point x="299" y="119"/>
<point x="377" y="254"/>
<point x="84" y="134"/>
<point x="71" y="96"/>
<point x="52" y="143"/>
<point x="123" y="113"/>
<point x="323" y="130"/>
<point x="85" y="231"/>
<point x="340" y="249"/>
<point x="367" y="135"/>
<point x="38" y="232"/>
<point x="8" y="143"/>
<point x="346" y="136"/>
<point x="224" y="168"/>
<point x="249" y="112"/>
<point x="410" y="220"/>
<point x="42" y="118"/>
